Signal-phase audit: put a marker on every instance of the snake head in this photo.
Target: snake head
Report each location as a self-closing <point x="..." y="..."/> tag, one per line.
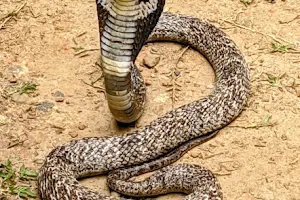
<point x="129" y="22"/>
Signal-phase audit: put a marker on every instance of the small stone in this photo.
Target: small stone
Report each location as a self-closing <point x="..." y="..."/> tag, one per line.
<point x="59" y="126"/>
<point x="298" y="92"/>
<point x="284" y="137"/>
<point x="13" y="79"/>
<point x="82" y="126"/>
<point x="194" y="155"/>
<point x="38" y="140"/>
<point x="177" y="73"/>
<point x="45" y="106"/>
<point x="73" y="134"/>
<point x="151" y="60"/>
<point x="3" y="120"/>
<point x="59" y="96"/>
<point x="18" y="70"/>
<point x="3" y="109"/>
<point x="147" y="82"/>
<point x="166" y="83"/>
<point x="265" y="99"/>
<point x="20" y="98"/>
<point x="115" y="194"/>
<point x="210" y="86"/>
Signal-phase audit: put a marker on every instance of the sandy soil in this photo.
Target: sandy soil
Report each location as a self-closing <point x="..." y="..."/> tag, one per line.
<point x="255" y="157"/>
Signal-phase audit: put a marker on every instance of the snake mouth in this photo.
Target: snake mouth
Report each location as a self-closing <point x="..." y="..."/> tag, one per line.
<point x="126" y="25"/>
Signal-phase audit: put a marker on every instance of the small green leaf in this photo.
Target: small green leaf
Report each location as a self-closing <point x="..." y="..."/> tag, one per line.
<point x="27" y="174"/>
<point x="267" y="119"/>
<point x="6" y="171"/>
<point x="76" y="49"/>
<point x="28" y="88"/>
<point x="245" y="2"/>
<point x="22" y="191"/>
<point x="272" y="79"/>
<point x="281" y="48"/>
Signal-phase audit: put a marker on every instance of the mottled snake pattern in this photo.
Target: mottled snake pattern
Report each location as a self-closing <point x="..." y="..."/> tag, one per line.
<point x="165" y="139"/>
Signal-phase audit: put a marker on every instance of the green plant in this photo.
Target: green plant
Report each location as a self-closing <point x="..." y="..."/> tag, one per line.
<point x="22" y="191"/>
<point x="27" y="88"/>
<point x="281" y="48"/>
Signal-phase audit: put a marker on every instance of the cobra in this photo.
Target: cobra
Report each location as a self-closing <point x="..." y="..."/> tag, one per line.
<point x="125" y="25"/>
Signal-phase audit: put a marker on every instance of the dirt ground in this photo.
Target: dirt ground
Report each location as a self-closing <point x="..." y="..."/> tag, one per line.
<point x="54" y="44"/>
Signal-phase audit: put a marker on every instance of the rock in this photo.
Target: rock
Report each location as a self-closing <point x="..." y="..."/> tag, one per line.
<point x="45" y="106"/>
<point x="115" y="194"/>
<point x="82" y="126"/>
<point x="194" y="154"/>
<point x="265" y="99"/>
<point x="151" y="60"/>
<point x="73" y="134"/>
<point x="18" y="70"/>
<point x="12" y="79"/>
<point x="177" y="73"/>
<point x="210" y="86"/>
<point x="3" y="109"/>
<point x="298" y="92"/>
<point x="3" y="120"/>
<point x="147" y="82"/>
<point x="59" y="96"/>
<point x="19" y="98"/>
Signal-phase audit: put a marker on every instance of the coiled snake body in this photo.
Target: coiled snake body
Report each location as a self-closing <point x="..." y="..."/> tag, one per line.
<point x="165" y="139"/>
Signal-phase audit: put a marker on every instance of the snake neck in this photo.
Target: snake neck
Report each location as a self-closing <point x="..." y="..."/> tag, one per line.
<point x="121" y="40"/>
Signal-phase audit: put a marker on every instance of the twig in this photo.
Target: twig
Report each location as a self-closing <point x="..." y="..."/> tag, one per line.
<point x="16" y="143"/>
<point x="277" y="39"/>
<point x="181" y="54"/>
<point x="98" y="79"/>
<point x="11" y="15"/>
<point x="101" y="89"/>
<point x="222" y="174"/>
<point x="286" y="22"/>
<point x="81" y="34"/>
<point x="85" y="50"/>
<point x="253" y="125"/>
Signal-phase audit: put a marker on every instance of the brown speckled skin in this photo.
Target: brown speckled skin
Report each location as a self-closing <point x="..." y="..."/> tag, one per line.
<point x="189" y="123"/>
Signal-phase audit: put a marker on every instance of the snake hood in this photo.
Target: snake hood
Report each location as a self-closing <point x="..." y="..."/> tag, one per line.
<point x="124" y="27"/>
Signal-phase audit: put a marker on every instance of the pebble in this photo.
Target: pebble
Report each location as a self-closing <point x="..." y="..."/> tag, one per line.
<point x="177" y="73"/>
<point x="147" y="82"/>
<point x="82" y="126"/>
<point x="3" y="109"/>
<point x="194" y="155"/>
<point x="151" y="60"/>
<point x="298" y="92"/>
<point x="210" y="86"/>
<point x="18" y="70"/>
<point x="115" y="194"/>
<point x="265" y="99"/>
<point x="12" y="79"/>
<point x="19" y="98"/>
<point x="3" y="119"/>
<point x="59" y="96"/>
<point x="38" y="140"/>
<point x="73" y="134"/>
<point x="45" y="106"/>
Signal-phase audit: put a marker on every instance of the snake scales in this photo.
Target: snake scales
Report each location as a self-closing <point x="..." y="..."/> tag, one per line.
<point x="165" y="139"/>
